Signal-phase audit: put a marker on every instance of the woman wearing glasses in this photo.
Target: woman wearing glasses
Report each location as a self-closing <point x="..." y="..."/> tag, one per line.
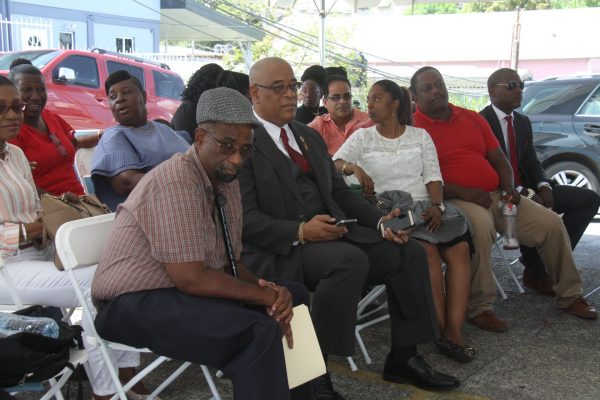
<point x="134" y="145"/>
<point x="32" y="272"/>
<point x="393" y="156"/>
<point x="47" y="140"/>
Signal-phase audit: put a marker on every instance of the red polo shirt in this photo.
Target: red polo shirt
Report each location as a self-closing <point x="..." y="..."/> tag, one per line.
<point x="54" y="172"/>
<point x="462" y="144"/>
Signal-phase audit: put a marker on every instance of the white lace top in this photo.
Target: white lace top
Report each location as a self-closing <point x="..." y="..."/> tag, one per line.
<point x="407" y="163"/>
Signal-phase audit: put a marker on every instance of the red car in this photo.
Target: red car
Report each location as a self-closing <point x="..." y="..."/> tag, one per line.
<point x="75" y="83"/>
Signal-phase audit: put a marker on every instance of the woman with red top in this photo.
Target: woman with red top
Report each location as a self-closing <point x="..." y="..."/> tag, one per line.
<point x="47" y="140"/>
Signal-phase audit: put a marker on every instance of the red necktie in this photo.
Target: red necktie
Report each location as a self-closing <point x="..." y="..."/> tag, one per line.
<point x="296" y="157"/>
<point x="512" y="148"/>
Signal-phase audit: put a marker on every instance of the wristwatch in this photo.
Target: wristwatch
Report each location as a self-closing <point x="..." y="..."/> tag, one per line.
<point x="441" y="206"/>
<point x="546" y="184"/>
<point x="530" y="193"/>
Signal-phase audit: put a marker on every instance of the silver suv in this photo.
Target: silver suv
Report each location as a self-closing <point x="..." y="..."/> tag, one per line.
<point x="565" y="116"/>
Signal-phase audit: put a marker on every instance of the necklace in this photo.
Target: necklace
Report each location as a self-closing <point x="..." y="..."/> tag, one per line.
<point x="396" y="138"/>
<point x="146" y="128"/>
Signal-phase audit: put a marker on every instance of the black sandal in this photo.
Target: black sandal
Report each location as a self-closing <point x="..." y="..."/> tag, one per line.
<point x="455" y="351"/>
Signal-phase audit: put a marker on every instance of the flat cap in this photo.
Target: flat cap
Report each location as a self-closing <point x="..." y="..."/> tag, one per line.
<point x="225" y="105"/>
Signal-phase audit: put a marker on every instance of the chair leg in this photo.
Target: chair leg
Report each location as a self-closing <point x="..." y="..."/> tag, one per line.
<point x="211" y="383"/>
<point x="499" y="286"/>
<point x="352" y="364"/>
<point x="507" y="265"/>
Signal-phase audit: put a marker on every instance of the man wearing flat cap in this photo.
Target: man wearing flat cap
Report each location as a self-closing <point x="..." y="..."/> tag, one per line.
<point x="165" y="280"/>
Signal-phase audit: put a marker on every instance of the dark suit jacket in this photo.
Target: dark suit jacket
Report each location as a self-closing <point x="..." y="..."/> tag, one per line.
<point x="273" y="204"/>
<point x="530" y="168"/>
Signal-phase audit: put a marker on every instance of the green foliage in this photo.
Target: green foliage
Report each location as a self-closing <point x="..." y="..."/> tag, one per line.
<point x="495" y="6"/>
<point x="475" y="103"/>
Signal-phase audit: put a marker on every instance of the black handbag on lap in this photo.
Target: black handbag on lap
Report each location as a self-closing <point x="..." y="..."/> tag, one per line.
<point x="29" y="357"/>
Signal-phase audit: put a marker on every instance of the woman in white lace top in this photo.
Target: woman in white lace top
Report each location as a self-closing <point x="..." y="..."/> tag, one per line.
<point x="392" y="156"/>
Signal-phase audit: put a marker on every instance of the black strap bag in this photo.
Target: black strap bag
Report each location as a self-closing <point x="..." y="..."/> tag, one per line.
<point x="29" y="357"/>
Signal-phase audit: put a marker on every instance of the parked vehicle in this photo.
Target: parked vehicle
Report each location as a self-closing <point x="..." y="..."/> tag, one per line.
<point x="565" y="115"/>
<point x="75" y="83"/>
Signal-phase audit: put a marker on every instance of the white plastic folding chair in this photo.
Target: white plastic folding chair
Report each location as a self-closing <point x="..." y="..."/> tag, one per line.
<point x="501" y="257"/>
<point x="83" y="167"/>
<point x="80" y="243"/>
<point x="361" y="315"/>
<point x="76" y="356"/>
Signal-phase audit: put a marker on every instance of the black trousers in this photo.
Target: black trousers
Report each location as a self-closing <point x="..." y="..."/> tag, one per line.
<point x="579" y="206"/>
<point x="337" y="272"/>
<point x="243" y="342"/>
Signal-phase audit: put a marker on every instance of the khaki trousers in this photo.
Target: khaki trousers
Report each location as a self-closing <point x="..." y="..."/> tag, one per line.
<point x="536" y="227"/>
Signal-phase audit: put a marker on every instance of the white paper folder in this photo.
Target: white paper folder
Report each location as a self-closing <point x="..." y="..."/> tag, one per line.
<point x="305" y="361"/>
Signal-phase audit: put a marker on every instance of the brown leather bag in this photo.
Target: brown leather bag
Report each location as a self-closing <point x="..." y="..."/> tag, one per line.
<point x="58" y="210"/>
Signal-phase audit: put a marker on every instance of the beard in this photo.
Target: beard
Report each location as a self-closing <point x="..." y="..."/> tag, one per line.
<point x="225" y="177"/>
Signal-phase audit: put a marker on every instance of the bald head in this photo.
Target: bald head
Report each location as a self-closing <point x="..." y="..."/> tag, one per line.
<point x="500" y="76"/>
<point x="273" y="90"/>
<point x="504" y="87"/>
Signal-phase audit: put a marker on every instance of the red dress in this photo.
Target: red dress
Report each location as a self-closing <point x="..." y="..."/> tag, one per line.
<point x="54" y="154"/>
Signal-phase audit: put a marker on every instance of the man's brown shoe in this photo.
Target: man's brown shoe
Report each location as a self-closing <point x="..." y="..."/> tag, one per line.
<point x="583" y="309"/>
<point x="488" y="321"/>
<point x="542" y="285"/>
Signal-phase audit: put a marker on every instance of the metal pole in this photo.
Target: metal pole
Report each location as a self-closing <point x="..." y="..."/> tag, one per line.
<point x="516" y="40"/>
<point x="323" y="15"/>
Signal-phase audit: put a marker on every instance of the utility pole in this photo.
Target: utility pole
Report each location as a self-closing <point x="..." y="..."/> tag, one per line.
<point x="323" y="15"/>
<point x="516" y="40"/>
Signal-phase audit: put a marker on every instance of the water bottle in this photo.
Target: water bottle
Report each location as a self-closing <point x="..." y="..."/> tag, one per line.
<point x="509" y="212"/>
<point x="13" y="323"/>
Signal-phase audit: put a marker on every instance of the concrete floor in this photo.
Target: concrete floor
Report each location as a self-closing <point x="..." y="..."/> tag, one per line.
<point x="546" y="354"/>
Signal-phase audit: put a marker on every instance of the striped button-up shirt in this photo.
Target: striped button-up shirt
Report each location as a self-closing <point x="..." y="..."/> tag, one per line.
<point x="19" y="202"/>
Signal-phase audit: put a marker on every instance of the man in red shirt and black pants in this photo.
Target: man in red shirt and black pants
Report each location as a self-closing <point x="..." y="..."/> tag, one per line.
<point x="477" y="176"/>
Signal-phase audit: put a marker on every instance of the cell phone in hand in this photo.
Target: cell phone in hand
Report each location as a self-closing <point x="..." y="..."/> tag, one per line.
<point x="401" y="223"/>
<point x="345" y="221"/>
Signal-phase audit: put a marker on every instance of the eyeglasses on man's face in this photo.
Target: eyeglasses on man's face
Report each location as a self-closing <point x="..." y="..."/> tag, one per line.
<point x="338" y="97"/>
<point x="282" y="88"/>
<point x="512" y="85"/>
<point x="228" y="149"/>
<point x="17" y="106"/>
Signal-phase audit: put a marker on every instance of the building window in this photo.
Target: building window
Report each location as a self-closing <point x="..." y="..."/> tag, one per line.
<point x="125" y="45"/>
<point x="66" y="40"/>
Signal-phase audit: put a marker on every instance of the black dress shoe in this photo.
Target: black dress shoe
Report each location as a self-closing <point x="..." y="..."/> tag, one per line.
<point x="324" y="389"/>
<point x="417" y="372"/>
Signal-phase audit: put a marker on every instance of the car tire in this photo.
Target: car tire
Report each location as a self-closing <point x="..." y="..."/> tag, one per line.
<point x="573" y="174"/>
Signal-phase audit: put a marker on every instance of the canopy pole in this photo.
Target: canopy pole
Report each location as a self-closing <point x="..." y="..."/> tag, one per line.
<point x="323" y="15"/>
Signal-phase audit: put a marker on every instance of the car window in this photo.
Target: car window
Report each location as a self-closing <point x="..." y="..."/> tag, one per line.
<point x="37" y="58"/>
<point x="555" y="97"/>
<point x="77" y="70"/>
<point x="591" y="108"/>
<point x="167" y="85"/>
<point x="135" y="71"/>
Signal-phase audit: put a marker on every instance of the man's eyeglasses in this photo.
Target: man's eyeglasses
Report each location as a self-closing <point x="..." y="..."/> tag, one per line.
<point x="282" y="88"/>
<point x="338" y="97"/>
<point x="512" y="85"/>
<point x="228" y="149"/>
<point x="17" y="106"/>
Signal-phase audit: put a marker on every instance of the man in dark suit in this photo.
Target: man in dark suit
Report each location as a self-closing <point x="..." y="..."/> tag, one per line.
<point x="578" y="205"/>
<point x="292" y="196"/>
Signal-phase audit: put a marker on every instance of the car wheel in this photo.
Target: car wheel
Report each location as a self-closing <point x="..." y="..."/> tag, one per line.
<point x="573" y="174"/>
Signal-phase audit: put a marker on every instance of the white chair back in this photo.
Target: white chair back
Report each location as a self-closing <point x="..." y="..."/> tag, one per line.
<point x="80" y="243"/>
<point x="83" y="167"/>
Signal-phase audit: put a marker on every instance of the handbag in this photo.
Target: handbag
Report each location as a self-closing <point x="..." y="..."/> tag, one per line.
<point x="65" y="208"/>
<point x="30" y="357"/>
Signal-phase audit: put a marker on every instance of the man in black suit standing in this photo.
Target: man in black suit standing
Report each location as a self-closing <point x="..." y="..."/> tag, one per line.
<point x="513" y="131"/>
<point x="292" y="197"/>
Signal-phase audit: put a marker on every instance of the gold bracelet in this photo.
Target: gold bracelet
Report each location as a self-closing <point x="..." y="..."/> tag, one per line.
<point x="344" y="168"/>
<point x="301" y="233"/>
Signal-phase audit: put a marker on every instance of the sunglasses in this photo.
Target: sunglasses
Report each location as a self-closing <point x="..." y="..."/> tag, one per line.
<point x="17" y="106"/>
<point x="338" y="97"/>
<point x="512" y="85"/>
<point x="228" y="149"/>
<point x="281" y="88"/>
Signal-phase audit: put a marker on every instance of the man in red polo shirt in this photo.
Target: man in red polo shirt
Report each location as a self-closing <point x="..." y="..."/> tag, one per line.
<point x="477" y="176"/>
